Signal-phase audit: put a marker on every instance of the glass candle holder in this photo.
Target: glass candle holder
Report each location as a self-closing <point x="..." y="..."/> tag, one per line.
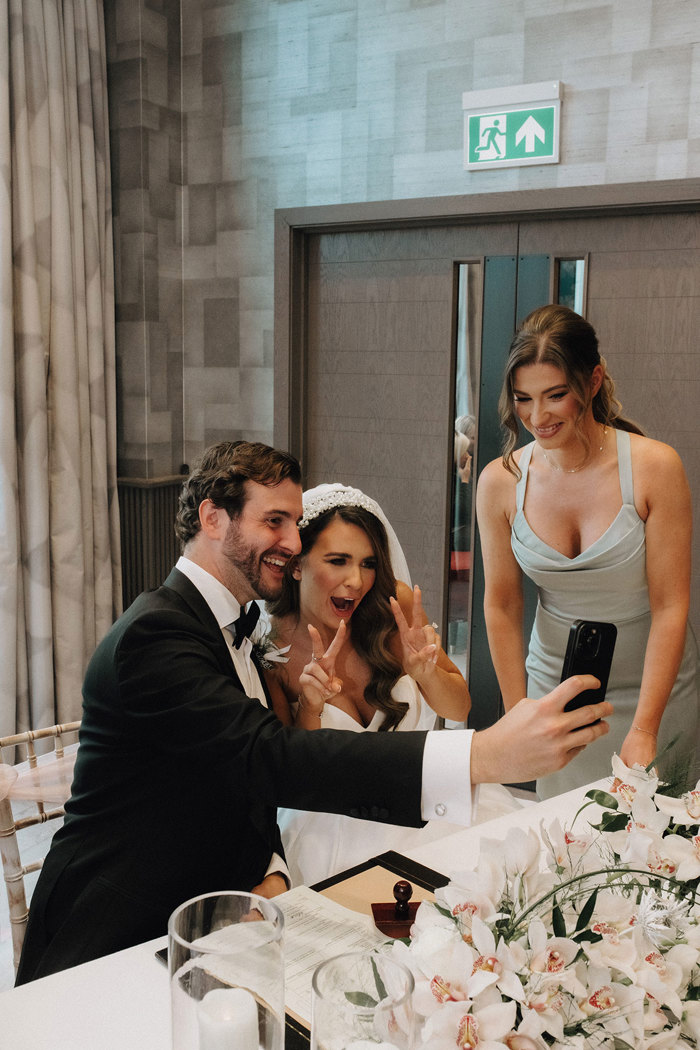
<point x="362" y="1001"/>
<point x="226" y="963"/>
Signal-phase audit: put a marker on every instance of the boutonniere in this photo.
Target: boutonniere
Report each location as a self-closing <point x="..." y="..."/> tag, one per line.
<point x="266" y="652"/>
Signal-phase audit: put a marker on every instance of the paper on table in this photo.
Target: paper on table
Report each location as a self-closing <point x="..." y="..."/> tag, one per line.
<point x="316" y="929"/>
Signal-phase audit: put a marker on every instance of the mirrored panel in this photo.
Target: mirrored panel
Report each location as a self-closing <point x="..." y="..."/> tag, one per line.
<point x="570" y="283"/>
<point x="469" y="286"/>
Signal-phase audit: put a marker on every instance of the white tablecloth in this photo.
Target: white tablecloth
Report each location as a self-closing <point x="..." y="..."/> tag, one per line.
<point x="122" y="1002"/>
<point x="459" y="851"/>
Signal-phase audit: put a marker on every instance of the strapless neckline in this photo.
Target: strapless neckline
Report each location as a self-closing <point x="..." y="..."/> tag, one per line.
<point x="335" y="718"/>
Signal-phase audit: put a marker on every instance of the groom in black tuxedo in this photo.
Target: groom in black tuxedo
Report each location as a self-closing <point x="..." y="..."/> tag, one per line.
<point x="181" y="767"/>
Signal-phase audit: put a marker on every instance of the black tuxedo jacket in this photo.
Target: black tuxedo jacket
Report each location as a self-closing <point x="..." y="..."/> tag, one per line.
<point x="177" y="781"/>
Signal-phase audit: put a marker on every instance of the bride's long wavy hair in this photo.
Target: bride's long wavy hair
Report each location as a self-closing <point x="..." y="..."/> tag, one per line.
<point x="558" y="336"/>
<point x="373" y="624"/>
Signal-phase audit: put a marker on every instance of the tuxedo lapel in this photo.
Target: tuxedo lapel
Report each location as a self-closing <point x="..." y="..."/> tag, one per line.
<point x="263" y="818"/>
<point x="178" y="582"/>
<point x="186" y="590"/>
<point x="261" y="676"/>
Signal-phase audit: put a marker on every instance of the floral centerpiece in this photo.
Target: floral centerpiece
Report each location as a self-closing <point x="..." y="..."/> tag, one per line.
<point x="599" y="948"/>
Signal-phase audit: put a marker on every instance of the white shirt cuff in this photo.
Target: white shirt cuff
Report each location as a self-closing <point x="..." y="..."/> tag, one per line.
<point x="448" y="793"/>
<point x="278" y="867"/>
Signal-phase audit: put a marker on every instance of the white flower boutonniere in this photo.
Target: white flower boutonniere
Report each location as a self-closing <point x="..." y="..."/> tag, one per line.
<point x="266" y="652"/>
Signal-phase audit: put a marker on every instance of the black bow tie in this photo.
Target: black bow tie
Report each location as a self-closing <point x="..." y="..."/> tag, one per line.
<point x="244" y="626"/>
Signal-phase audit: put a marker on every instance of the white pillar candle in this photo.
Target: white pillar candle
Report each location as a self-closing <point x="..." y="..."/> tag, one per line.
<point x="228" y="1020"/>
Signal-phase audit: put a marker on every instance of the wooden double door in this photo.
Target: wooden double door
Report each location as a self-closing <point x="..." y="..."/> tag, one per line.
<point x="377" y="373"/>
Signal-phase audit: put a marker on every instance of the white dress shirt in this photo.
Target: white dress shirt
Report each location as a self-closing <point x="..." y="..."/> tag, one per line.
<point x="447" y="792"/>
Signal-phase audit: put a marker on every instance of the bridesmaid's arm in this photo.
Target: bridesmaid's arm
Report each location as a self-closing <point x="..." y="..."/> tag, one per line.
<point x="661" y="479"/>
<point x="503" y="598"/>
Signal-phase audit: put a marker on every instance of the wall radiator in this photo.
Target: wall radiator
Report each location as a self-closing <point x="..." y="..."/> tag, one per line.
<point x="147" y="510"/>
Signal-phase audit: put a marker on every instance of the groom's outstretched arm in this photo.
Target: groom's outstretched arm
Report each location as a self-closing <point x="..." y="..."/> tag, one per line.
<point x="537" y="737"/>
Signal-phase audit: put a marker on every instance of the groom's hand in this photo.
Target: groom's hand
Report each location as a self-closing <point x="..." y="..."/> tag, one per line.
<point x="537" y="737"/>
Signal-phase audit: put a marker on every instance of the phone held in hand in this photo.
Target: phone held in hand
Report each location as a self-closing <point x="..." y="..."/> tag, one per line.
<point x="589" y="651"/>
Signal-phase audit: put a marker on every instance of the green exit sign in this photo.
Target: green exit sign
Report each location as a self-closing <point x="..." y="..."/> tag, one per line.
<point x="519" y="131"/>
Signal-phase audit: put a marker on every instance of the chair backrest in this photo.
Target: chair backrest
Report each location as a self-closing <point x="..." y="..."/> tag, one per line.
<point x="36" y="812"/>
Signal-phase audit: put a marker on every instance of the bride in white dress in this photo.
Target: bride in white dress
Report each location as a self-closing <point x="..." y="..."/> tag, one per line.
<point x="360" y="655"/>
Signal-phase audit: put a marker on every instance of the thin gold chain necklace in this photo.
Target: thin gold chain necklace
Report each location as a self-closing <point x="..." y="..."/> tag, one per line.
<point x="574" y="470"/>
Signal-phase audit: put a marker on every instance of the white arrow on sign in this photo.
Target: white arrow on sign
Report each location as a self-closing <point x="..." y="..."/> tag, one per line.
<point x="529" y="131"/>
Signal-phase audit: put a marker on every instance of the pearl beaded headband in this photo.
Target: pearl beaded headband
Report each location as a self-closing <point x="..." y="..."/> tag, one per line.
<point x="322" y="498"/>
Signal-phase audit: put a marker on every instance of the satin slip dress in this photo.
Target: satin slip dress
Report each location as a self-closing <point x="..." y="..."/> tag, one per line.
<point x="607" y="581"/>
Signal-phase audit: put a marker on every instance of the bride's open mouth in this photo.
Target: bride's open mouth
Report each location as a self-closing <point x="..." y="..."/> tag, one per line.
<point x="343" y="605"/>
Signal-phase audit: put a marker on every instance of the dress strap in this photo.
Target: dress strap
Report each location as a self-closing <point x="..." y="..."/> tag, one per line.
<point x="624" y="466"/>
<point x="524" y="464"/>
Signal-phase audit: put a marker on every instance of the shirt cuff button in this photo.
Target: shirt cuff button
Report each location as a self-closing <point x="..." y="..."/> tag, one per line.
<point x="440" y="809"/>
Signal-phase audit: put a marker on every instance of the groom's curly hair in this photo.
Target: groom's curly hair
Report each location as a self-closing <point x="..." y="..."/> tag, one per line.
<point x="220" y="476"/>
<point x="373" y="624"/>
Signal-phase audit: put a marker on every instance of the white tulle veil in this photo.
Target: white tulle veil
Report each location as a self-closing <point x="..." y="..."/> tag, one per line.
<point x="322" y="498"/>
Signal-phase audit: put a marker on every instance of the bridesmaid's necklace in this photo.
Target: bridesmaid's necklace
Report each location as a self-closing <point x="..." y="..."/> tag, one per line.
<point x="574" y="470"/>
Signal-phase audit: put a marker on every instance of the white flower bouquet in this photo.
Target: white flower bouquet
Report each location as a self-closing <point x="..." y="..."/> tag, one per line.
<point x="600" y="950"/>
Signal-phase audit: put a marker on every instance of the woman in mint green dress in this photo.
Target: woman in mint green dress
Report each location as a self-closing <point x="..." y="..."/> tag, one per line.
<point x="599" y="517"/>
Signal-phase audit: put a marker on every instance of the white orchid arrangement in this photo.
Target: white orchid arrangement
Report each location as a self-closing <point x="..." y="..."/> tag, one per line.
<point x="597" y="948"/>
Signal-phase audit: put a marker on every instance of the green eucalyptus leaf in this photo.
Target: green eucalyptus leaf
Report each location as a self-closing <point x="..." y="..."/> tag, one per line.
<point x="558" y="924"/>
<point x="361" y="999"/>
<point x="587" y="910"/>
<point x="587" y="935"/>
<point x="443" y="911"/>
<point x="381" y="990"/>
<point x="612" y="822"/>
<point x="602" y="798"/>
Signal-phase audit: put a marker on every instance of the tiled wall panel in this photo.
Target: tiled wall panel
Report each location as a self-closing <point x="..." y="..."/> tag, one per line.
<point x="223" y="110"/>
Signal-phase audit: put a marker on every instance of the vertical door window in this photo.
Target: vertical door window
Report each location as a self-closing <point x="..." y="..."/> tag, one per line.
<point x="570" y="283"/>
<point x="469" y="284"/>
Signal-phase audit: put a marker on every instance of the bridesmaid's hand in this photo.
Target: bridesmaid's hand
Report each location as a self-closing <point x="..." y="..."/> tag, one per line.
<point x="638" y="748"/>
<point x="420" y="642"/>
<point x="317" y="681"/>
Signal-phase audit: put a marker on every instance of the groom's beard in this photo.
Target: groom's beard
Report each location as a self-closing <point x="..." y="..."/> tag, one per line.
<point x="248" y="562"/>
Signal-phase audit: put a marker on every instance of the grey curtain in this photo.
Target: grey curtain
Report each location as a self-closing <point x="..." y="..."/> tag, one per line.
<point x="59" y="528"/>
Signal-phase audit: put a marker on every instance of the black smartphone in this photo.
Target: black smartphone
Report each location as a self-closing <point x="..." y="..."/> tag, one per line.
<point x="589" y="651"/>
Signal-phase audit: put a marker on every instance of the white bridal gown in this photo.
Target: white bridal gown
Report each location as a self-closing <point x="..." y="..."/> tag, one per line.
<point x="318" y="845"/>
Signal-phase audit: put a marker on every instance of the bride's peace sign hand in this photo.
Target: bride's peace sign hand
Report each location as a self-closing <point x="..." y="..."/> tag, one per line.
<point x="317" y="681"/>
<point x="420" y="641"/>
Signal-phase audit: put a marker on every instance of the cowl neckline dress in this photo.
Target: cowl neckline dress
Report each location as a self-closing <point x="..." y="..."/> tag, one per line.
<point x="607" y="581"/>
